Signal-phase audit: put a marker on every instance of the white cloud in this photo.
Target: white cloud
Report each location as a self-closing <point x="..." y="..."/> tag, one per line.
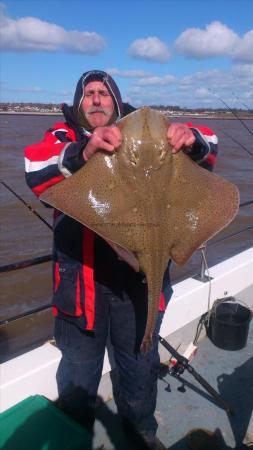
<point x="30" y="90"/>
<point x="198" y="89"/>
<point x="35" y="94"/>
<point x="32" y="34"/>
<point x="202" y="92"/>
<point x="127" y="73"/>
<point x="142" y="95"/>
<point x="207" y="86"/>
<point x="207" y="77"/>
<point x="243" y="70"/>
<point x="34" y="89"/>
<point x="236" y="76"/>
<point x="244" y="48"/>
<point x="215" y="40"/>
<point x="156" y="81"/>
<point x="150" y="49"/>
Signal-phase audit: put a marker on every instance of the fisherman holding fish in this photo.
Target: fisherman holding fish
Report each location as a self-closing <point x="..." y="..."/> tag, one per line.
<point x="96" y="293"/>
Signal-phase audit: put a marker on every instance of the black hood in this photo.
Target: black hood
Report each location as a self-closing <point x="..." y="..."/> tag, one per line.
<point x="97" y="75"/>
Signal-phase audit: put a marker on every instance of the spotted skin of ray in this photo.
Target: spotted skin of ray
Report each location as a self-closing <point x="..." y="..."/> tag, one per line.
<point x="149" y="204"/>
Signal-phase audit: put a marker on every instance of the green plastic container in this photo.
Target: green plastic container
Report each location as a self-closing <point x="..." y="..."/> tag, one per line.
<point x="36" y="424"/>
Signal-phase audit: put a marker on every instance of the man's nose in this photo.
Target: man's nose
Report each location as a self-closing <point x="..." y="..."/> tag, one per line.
<point x="96" y="98"/>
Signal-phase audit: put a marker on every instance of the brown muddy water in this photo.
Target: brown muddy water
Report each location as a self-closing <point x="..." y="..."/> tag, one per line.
<point x="24" y="236"/>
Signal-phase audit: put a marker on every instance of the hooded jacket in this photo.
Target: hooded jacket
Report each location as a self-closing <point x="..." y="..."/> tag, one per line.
<point x="82" y="260"/>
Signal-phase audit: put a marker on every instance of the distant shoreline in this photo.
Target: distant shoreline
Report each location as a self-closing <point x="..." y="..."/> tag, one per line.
<point x="28" y="113"/>
<point x="184" y="114"/>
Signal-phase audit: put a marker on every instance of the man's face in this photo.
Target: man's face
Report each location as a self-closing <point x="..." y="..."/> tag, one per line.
<point x="97" y="104"/>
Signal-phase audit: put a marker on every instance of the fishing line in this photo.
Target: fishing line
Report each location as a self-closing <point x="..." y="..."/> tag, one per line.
<point x="232" y="111"/>
<point x="236" y="142"/>
<point x="230" y="235"/>
<point x="209" y="282"/>
<point x="244" y="104"/>
<point x="205" y="319"/>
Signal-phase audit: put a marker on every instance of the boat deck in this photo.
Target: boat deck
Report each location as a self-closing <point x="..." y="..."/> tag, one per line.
<point x="183" y="404"/>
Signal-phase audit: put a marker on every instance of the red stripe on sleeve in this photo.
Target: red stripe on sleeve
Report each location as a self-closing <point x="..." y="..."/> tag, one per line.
<point x="57" y="280"/>
<point x="44" y="150"/>
<point x="88" y="276"/>
<point x="162" y="305"/>
<point x="42" y="187"/>
<point x="78" y="311"/>
<point x="57" y="277"/>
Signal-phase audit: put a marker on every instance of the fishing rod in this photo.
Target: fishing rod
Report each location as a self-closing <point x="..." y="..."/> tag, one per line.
<point x="232" y="111"/>
<point x="246" y="203"/>
<point x="183" y="364"/>
<point x="25" y="263"/>
<point x="25" y="314"/>
<point x="31" y="261"/>
<point x="27" y="205"/>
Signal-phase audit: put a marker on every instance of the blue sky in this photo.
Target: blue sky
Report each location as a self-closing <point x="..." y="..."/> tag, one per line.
<point x="159" y="51"/>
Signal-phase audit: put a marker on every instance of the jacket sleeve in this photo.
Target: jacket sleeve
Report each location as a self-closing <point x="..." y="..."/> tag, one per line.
<point x="56" y="157"/>
<point x="204" y="150"/>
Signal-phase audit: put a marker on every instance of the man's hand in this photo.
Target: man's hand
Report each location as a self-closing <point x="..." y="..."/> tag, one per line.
<point x="105" y="138"/>
<point x="180" y="137"/>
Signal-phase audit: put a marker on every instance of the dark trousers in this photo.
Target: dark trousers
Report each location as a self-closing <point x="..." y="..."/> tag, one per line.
<point x="123" y="316"/>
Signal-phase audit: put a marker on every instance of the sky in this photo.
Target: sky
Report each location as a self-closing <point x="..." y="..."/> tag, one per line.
<point x="188" y="53"/>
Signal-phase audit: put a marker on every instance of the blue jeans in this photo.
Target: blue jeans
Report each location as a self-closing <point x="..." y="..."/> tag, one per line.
<point x="123" y="315"/>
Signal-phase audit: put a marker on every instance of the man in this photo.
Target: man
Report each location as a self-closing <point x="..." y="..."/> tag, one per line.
<point x="95" y="292"/>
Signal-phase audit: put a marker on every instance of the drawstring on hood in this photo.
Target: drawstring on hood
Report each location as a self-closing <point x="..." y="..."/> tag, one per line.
<point x="96" y="75"/>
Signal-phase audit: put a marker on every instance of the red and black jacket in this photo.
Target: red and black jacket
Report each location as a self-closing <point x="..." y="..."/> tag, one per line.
<point x="82" y="260"/>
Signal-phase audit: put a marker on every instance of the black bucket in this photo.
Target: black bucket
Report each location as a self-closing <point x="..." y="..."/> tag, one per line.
<point x="229" y="323"/>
